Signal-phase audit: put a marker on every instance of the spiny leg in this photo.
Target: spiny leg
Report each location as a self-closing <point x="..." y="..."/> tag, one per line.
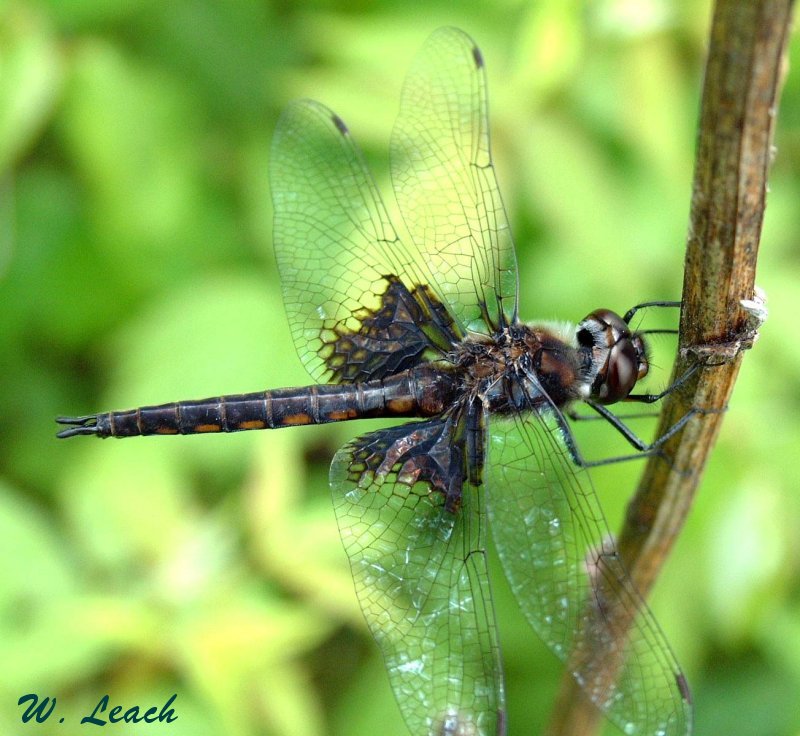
<point x="647" y="305"/>
<point x="645" y="449"/>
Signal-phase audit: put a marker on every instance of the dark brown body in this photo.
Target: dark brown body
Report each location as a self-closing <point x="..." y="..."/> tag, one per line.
<point x="521" y="366"/>
<point x="419" y="392"/>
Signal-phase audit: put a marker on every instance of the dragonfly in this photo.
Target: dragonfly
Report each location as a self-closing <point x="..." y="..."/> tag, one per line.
<point x="423" y="324"/>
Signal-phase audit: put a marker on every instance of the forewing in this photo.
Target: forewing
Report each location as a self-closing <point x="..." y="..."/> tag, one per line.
<point x="560" y="560"/>
<point x="414" y="530"/>
<point x="445" y="182"/>
<point x="350" y="298"/>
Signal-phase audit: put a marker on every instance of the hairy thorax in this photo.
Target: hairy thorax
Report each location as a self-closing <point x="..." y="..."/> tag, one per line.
<point x="521" y="367"/>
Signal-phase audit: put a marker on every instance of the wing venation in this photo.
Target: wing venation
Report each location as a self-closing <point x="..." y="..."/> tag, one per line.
<point x="413" y="527"/>
<point x="560" y="559"/>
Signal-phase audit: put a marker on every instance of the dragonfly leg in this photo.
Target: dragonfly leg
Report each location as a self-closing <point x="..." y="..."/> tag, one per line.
<point x="646" y="305"/>
<point x="644" y="449"/>
<point x="635" y="441"/>
<point x="576" y="417"/>
<point x="676" y="384"/>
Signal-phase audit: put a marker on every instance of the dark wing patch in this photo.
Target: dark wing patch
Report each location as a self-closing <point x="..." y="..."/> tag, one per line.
<point x="415" y="532"/>
<point x="405" y="329"/>
<point x="333" y="239"/>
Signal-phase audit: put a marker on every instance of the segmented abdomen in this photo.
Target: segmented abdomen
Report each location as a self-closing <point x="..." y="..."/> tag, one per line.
<point x="402" y="395"/>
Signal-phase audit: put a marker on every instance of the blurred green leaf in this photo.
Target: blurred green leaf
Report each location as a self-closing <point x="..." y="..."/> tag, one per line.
<point x="30" y="78"/>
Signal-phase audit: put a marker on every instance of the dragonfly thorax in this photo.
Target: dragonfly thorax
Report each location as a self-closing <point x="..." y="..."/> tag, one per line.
<point x="522" y="367"/>
<point x="517" y="366"/>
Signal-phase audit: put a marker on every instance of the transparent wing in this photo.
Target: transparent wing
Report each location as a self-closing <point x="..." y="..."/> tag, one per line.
<point x="337" y="250"/>
<point x="343" y="268"/>
<point x="445" y="182"/>
<point x="415" y="531"/>
<point x="560" y="560"/>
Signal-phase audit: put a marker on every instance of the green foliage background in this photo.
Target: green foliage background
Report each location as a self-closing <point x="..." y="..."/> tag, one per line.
<point x="136" y="268"/>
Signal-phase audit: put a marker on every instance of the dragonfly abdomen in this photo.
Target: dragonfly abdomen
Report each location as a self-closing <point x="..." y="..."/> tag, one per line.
<point x="401" y="395"/>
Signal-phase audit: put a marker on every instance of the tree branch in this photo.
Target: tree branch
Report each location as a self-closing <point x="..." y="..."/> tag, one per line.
<point x="743" y="77"/>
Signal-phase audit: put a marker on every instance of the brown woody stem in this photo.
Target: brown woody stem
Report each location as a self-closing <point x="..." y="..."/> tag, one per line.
<point x="743" y="77"/>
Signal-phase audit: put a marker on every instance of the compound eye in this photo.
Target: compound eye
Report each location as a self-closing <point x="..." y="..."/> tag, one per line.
<point x="601" y="329"/>
<point x="611" y="322"/>
<point x="619" y="375"/>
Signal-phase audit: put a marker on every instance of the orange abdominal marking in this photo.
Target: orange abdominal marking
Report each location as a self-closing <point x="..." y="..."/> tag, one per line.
<point x="208" y="428"/>
<point x="400" y="406"/>
<point x="338" y="416"/>
<point x="252" y="424"/>
<point x="295" y="419"/>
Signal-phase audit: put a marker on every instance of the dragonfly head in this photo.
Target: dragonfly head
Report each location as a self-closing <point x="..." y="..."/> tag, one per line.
<point x="618" y="357"/>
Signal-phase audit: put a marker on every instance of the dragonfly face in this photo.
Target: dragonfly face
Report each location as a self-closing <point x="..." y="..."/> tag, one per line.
<point x="619" y="356"/>
<point x="426" y="326"/>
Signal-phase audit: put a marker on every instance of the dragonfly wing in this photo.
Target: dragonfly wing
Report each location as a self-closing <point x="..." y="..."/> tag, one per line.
<point x="355" y="310"/>
<point x="414" y="529"/>
<point x="560" y="560"/>
<point x="445" y="182"/>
